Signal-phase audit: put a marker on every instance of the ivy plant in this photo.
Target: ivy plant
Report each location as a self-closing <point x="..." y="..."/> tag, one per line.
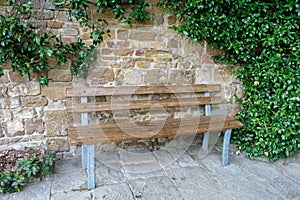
<point x="263" y="39"/>
<point x="28" y="48"/>
<point x="26" y="170"/>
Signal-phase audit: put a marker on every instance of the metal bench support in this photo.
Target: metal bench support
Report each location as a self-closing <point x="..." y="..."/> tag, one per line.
<point x="225" y="150"/>
<point x="88" y="153"/>
<point x="91" y="166"/>
<point x="206" y="134"/>
<point x="226" y="141"/>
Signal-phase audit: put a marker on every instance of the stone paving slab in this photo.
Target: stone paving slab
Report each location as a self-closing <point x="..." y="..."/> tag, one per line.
<point x="109" y="174"/>
<point x="76" y="195"/>
<point x="34" y="191"/>
<point x="107" y="157"/>
<point x="110" y="192"/>
<point x="155" y="188"/>
<point x="132" y="158"/>
<point x="68" y="182"/>
<point x="193" y="183"/>
<point x="165" y="159"/>
<point x="168" y="174"/>
<point x="144" y="170"/>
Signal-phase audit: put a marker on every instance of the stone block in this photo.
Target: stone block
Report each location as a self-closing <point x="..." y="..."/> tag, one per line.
<point x="39" y="25"/>
<point x="2" y="129"/>
<point x="53" y="64"/>
<point x="101" y="75"/>
<point x="3" y="91"/>
<point x="171" y="20"/>
<point x="159" y="55"/>
<point x="2" y="103"/>
<point x="70" y="31"/>
<point x="206" y="59"/>
<point x="124" y="63"/>
<point x="85" y="36"/>
<point x="16" y="77"/>
<point x="110" y="44"/>
<point x="223" y="74"/>
<point x="173" y="43"/>
<point x="133" y="77"/>
<point x="68" y="39"/>
<point x="106" y="51"/>
<point x="57" y="144"/>
<point x="158" y="19"/>
<point x="34" y="126"/>
<point x="181" y="76"/>
<point x="123" y="52"/>
<point x="119" y="76"/>
<point x="139" y="53"/>
<point x="56" y="91"/>
<point x="62" y="15"/>
<point x="33" y="101"/>
<point x="123" y="44"/>
<point x="122" y="34"/>
<point x="5" y="115"/>
<point x="142" y="36"/>
<point x="59" y="75"/>
<point x="14" y="102"/>
<point x="25" y="113"/>
<point x="30" y="88"/>
<point x="4" y="78"/>
<point x="155" y="77"/>
<point x="192" y="51"/>
<point x="23" y="89"/>
<point x="48" y="5"/>
<point x="142" y="64"/>
<point x="6" y="66"/>
<point x="205" y="74"/>
<point x="44" y="14"/>
<point x="55" y="24"/>
<point x="15" y="128"/>
<point x="56" y="122"/>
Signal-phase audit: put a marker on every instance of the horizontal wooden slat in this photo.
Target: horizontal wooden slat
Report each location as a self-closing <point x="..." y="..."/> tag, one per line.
<point x="129" y="90"/>
<point x="133" y="131"/>
<point x="140" y="104"/>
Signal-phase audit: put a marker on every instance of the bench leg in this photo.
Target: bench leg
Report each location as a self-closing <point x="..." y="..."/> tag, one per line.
<point x="225" y="150"/>
<point x="205" y="141"/>
<point x="84" y="156"/>
<point x="91" y="166"/>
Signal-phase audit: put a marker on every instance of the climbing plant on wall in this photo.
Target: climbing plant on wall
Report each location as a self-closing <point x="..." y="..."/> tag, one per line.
<point x="263" y="38"/>
<point x="28" y="48"/>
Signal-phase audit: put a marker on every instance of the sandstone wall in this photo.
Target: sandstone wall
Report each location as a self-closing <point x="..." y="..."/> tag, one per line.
<point x="146" y="54"/>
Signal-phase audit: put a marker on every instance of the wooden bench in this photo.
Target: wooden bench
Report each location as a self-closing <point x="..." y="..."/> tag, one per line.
<point x="164" y="97"/>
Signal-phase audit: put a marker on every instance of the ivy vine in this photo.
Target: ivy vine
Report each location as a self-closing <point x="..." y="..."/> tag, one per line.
<point x="28" y="48"/>
<point x="263" y="38"/>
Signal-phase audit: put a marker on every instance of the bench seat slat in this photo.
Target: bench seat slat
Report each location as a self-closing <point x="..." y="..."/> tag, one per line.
<point x="141" y="104"/>
<point x="129" y="90"/>
<point x="113" y="133"/>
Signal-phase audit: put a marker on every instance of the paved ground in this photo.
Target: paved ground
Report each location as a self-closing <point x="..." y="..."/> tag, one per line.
<point x="168" y="174"/>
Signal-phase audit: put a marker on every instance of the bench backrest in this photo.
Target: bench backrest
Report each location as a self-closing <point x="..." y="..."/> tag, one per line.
<point x="174" y="99"/>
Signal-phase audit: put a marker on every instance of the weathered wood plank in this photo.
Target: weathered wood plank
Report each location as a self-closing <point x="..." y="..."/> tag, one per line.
<point x="157" y="129"/>
<point x="129" y="90"/>
<point x="141" y="104"/>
